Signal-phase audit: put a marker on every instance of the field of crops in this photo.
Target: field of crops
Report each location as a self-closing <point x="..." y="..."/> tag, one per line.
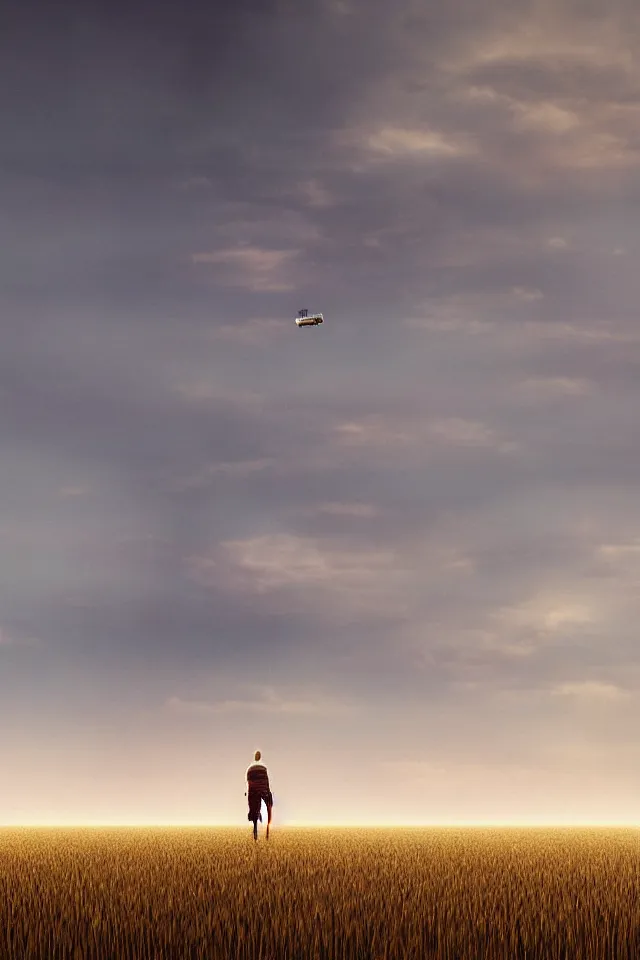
<point x="214" y="893"/>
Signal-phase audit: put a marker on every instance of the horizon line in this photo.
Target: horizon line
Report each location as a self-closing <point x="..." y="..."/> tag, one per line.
<point x="317" y="826"/>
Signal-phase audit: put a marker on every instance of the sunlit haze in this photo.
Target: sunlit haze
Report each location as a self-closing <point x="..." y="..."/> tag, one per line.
<point x="399" y="553"/>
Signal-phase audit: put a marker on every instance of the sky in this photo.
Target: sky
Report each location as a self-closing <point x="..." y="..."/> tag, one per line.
<point x="398" y="553"/>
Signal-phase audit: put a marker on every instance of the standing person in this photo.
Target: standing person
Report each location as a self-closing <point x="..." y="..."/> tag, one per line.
<point x="258" y="790"/>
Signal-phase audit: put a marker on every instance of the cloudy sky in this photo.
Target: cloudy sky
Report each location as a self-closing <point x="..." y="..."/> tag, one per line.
<point x="399" y="553"/>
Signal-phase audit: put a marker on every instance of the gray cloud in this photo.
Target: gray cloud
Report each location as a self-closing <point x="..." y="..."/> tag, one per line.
<point x="427" y="506"/>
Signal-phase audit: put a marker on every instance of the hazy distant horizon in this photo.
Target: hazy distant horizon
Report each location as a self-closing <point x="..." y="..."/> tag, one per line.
<point x="297" y="825"/>
<point x="398" y="553"/>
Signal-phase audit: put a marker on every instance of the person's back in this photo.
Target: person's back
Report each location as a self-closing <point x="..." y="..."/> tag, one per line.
<point x="258" y="789"/>
<point x="257" y="777"/>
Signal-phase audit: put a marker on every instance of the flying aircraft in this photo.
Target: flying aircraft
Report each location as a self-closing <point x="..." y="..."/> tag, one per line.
<point x="304" y="320"/>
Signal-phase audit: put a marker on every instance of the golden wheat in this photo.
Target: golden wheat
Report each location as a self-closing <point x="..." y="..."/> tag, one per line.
<point x="374" y="894"/>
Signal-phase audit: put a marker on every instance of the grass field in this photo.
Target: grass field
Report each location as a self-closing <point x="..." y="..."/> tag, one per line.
<point x="376" y="893"/>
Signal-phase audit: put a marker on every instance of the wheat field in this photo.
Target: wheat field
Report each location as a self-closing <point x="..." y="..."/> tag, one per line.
<point x="363" y="894"/>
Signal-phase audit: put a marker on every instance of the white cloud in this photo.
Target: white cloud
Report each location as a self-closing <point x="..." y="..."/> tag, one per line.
<point x="383" y="432"/>
<point x="264" y="700"/>
<point x="480" y="312"/>
<point x="316" y="194"/>
<point x="309" y="575"/>
<point x="547" y="614"/>
<point x="398" y="142"/>
<point x="590" y="691"/>
<point x="255" y="268"/>
<point x="548" y="35"/>
<point x="387" y="143"/>
<point x="559" y="243"/>
<point x="459" y="432"/>
<point x="550" y="388"/>
<point x="621" y="552"/>
<point x="490" y="314"/>
<point x="280" y="560"/>
<point x="544" y="115"/>
<point x="373" y="431"/>
<point x="348" y="509"/>
<point x="280" y="229"/>
<point x="571" y="331"/>
<point x="624" y="559"/>
<point x="571" y="131"/>
<point x="528" y="295"/>
<point x="331" y="580"/>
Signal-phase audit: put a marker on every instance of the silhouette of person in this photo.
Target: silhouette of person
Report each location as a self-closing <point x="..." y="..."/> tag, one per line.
<point x="258" y="789"/>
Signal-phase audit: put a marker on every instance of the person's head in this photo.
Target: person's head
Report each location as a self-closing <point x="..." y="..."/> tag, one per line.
<point x="257" y="755"/>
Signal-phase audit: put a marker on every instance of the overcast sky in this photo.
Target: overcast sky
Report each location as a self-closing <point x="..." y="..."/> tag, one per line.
<point x="398" y="553"/>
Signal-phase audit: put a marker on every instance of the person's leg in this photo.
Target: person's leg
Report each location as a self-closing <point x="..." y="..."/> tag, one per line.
<point x="254" y="811"/>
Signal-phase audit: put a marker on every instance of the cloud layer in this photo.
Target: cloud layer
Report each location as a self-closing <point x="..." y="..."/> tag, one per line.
<point x="409" y="536"/>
